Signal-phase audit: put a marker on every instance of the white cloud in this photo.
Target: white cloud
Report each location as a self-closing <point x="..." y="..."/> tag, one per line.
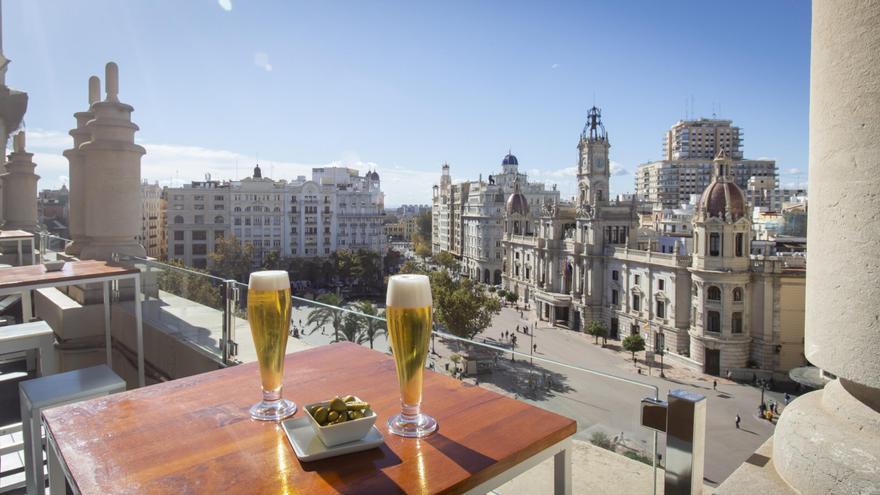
<point x="617" y="169"/>
<point x="554" y="66"/>
<point x="176" y="164"/>
<point x="225" y="4"/>
<point x="261" y="60"/>
<point x="793" y="171"/>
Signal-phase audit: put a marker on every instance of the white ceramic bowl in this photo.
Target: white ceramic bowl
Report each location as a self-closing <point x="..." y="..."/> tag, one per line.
<point x="54" y="266"/>
<point x="349" y="431"/>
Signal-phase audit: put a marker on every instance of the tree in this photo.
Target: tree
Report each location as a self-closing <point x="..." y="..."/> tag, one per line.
<point x="410" y="266"/>
<point x="392" y="260"/>
<point x="634" y="343"/>
<point x="446" y="260"/>
<point x="185" y="282"/>
<point x="232" y="259"/>
<point x="461" y="305"/>
<point x="323" y="315"/>
<point x="597" y="329"/>
<point x="423" y="250"/>
<point x="371" y="326"/>
<point x="511" y="297"/>
<point x="273" y="260"/>
<point x="351" y="330"/>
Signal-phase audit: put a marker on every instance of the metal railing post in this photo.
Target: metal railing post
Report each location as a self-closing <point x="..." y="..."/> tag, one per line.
<point x="230" y="299"/>
<point x="683" y="418"/>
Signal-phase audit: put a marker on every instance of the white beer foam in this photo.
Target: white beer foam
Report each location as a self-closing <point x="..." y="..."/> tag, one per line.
<point x="409" y="291"/>
<point x="269" y="280"/>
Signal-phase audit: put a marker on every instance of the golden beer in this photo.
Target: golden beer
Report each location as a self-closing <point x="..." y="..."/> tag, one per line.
<point x="410" y="333"/>
<point x="269" y="317"/>
<point x="408" y="312"/>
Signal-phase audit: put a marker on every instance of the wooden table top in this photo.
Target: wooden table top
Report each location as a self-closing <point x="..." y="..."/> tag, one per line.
<point x="194" y="435"/>
<point x="21" y="276"/>
<point x="6" y="235"/>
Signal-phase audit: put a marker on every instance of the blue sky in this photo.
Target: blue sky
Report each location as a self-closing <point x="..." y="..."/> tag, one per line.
<point x="406" y="86"/>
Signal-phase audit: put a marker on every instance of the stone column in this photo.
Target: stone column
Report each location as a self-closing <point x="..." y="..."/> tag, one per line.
<point x="112" y="211"/>
<point x="20" y="189"/>
<point x="77" y="173"/>
<point x="829" y="441"/>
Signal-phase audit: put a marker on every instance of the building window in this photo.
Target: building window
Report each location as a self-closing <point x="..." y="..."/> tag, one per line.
<point x="218" y="234"/>
<point x="739" y="244"/>
<point x="637" y="279"/>
<point x="713" y="293"/>
<point x="637" y="306"/>
<point x="199" y="235"/>
<point x="178" y="235"/>
<point x="661" y="284"/>
<point x="661" y="309"/>
<point x="614" y="297"/>
<point x="714" y="244"/>
<point x="178" y="219"/>
<point x="199" y="249"/>
<point x="713" y="322"/>
<point x="615" y="275"/>
<point x="737" y="295"/>
<point x="736" y="322"/>
<point x="218" y="219"/>
<point x="199" y="219"/>
<point x="178" y="249"/>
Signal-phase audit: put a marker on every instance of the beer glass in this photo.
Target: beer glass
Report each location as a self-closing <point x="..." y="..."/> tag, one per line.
<point x="408" y="313"/>
<point x="269" y="317"/>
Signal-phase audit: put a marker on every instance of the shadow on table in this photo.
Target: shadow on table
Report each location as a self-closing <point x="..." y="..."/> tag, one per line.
<point x="468" y="459"/>
<point x="360" y="471"/>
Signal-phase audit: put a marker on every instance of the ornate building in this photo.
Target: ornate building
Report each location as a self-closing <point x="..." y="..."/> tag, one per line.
<point x="714" y="309"/>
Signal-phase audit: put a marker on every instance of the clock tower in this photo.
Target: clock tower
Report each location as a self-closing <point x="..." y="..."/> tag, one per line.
<point x="593" y="165"/>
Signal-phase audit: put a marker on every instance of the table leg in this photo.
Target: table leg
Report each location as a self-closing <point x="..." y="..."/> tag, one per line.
<point x="33" y="448"/>
<point x="107" y="334"/>
<point x="48" y="363"/>
<point x="139" y="322"/>
<point x="20" y="255"/>
<point x="27" y="310"/>
<point x="562" y="472"/>
<point x="57" y="481"/>
<point x="33" y="250"/>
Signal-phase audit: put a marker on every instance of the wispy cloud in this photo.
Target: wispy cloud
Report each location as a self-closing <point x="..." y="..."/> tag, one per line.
<point x="176" y="164"/>
<point x="793" y="171"/>
<point x="261" y="60"/>
<point x="617" y="169"/>
<point x="225" y="4"/>
<point x="554" y="66"/>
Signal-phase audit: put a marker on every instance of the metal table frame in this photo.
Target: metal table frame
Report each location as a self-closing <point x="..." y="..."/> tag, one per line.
<point x="561" y="454"/>
<point x="27" y="311"/>
<point x="18" y="240"/>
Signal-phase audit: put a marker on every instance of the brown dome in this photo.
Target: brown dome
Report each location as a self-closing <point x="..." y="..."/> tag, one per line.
<point x="516" y="203"/>
<point x="721" y="198"/>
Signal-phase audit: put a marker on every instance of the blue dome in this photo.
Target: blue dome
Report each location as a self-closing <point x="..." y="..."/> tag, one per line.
<point x="510" y="160"/>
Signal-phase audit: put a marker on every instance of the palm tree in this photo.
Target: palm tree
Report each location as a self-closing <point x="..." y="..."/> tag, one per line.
<point x="352" y="330"/>
<point x="372" y="327"/>
<point x="324" y="315"/>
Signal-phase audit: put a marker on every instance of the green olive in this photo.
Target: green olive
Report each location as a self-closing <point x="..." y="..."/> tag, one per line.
<point x="332" y="416"/>
<point x="337" y="405"/>
<point x="355" y="415"/>
<point x="320" y="415"/>
<point x="357" y="405"/>
<point x="348" y="398"/>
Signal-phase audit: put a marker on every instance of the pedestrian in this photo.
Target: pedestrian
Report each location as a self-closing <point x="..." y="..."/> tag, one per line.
<point x="787" y="398"/>
<point x="520" y="314"/>
<point x="762" y="408"/>
<point x="729" y="374"/>
<point x="776" y="408"/>
<point x="738" y="419"/>
<point x="534" y="347"/>
<point x="714" y="384"/>
<point x="754" y="378"/>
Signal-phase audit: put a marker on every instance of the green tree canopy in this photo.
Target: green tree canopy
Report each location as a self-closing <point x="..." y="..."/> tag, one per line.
<point x="372" y="327"/>
<point x="232" y="259"/>
<point x="323" y="315"/>
<point x="634" y="343"/>
<point x="597" y="329"/>
<point x="446" y="260"/>
<point x="185" y="282"/>
<point x="461" y="305"/>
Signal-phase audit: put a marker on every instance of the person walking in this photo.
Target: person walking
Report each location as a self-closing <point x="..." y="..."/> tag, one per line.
<point x="714" y="384"/>
<point x="738" y="419"/>
<point x="787" y="398"/>
<point x="534" y="347"/>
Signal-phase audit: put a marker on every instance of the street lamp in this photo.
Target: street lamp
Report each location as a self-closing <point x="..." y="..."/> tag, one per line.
<point x="662" y="343"/>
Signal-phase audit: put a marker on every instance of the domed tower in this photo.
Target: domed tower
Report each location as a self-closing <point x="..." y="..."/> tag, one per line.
<point x="593" y="166"/>
<point x="510" y="165"/>
<point x="719" y="333"/>
<point x="516" y="217"/>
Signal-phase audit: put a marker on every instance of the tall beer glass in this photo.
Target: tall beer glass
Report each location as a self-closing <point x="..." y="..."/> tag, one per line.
<point x="409" y="326"/>
<point x="269" y="316"/>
